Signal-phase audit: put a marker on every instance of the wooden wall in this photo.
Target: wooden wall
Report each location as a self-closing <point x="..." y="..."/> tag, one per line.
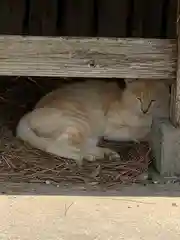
<point x="109" y="18"/>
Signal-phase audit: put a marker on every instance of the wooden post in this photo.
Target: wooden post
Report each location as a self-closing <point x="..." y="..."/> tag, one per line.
<point x="175" y="93"/>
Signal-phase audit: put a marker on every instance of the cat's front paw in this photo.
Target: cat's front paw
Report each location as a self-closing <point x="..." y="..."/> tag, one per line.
<point x="101" y="153"/>
<point x="111" y="154"/>
<point x="94" y="157"/>
<point x="91" y="158"/>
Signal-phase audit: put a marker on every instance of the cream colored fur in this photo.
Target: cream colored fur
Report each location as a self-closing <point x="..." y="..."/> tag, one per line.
<point x="131" y="117"/>
<point x="69" y="121"/>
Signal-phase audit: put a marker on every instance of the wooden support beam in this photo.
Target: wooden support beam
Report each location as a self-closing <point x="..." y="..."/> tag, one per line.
<point x="175" y="90"/>
<point x="87" y="57"/>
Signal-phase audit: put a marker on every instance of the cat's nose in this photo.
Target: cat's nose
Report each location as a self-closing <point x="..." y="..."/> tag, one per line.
<point x="146" y="108"/>
<point x="145" y="111"/>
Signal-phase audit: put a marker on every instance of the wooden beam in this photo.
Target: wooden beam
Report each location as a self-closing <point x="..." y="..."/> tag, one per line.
<point x="175" y="93"/>
<point x="87" y="57"/>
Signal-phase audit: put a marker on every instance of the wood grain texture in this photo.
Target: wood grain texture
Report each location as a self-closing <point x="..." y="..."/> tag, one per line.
<point x="87" y="57"/>
<point x="175" y="95"/>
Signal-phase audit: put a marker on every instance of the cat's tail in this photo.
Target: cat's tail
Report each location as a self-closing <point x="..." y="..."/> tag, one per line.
<point x="25" y="132"/>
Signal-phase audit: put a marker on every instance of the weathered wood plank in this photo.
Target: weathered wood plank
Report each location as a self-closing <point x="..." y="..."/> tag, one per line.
<point x="87" y="57"/>
<point x="175" y="95"/>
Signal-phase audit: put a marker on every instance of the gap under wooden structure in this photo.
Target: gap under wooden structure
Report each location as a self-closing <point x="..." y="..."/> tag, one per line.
<point x="175" y="96"/>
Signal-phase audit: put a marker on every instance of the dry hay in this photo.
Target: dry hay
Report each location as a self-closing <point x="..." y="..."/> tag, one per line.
<point x="21" y="163"/>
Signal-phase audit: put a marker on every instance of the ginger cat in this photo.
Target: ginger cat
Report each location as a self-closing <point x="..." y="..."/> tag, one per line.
<point x="69" y="121"/>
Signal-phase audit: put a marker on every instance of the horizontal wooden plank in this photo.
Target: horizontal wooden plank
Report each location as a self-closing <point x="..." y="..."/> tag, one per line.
<point x="87" y="57"/>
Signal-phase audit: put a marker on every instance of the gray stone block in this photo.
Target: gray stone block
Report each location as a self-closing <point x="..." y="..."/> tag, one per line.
<point x="165" y="143"/>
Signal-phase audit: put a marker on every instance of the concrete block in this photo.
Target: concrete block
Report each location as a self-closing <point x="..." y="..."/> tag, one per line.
<point x="165" y="143"/>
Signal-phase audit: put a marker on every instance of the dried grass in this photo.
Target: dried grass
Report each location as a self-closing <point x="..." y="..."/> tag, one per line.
<point x="21" y="163"/>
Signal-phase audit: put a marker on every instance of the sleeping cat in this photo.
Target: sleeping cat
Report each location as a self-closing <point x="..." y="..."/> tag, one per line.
<point x="69" y="121"/>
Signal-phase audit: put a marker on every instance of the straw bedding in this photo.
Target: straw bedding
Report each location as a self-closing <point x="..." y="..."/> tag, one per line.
<point x="21" y="163"/>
